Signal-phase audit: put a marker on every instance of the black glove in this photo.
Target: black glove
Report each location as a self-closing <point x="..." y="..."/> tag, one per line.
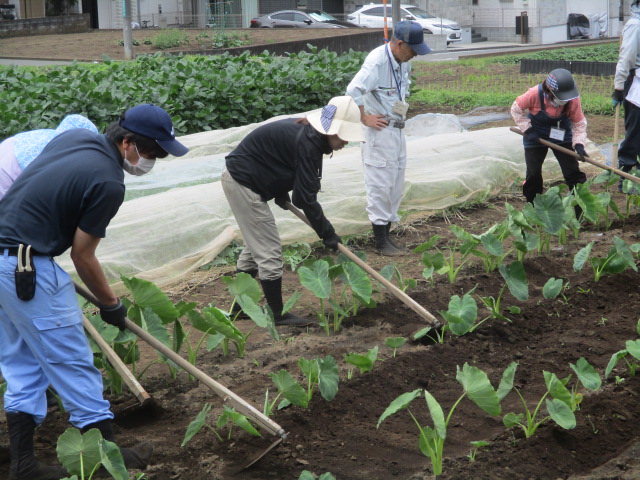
<point x="531" y="135"/>
<point x="282" y="199"/>
<point x="617" y="97"/>
<point x="332" y="241"/>
<point x="580" y="151"/>
<point x="114" y="314"/>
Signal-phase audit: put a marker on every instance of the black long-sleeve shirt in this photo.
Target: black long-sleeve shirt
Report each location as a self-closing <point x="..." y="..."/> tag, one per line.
<point x="282" y="156"/>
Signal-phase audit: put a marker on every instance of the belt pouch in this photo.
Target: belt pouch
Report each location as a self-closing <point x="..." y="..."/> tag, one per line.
<point x="25" y="274"/>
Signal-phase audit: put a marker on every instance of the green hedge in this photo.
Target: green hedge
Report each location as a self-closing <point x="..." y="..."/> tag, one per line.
<point x="199" y="92"/>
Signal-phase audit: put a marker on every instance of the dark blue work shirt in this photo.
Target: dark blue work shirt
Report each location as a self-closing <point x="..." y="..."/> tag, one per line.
<point x="76" y="182"/>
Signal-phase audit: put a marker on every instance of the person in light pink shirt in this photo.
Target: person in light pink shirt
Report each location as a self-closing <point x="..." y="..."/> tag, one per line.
<point x="551" y="111"/>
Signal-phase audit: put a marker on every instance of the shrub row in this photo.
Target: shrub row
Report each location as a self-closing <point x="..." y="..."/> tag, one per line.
<point x="200" y="92"/>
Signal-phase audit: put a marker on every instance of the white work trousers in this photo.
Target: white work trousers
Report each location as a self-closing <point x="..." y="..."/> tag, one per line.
<point x="262" y="246"/>
<point x="384" y="155"/>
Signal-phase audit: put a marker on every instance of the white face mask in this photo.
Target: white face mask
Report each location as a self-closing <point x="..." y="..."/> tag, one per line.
<point x="143" y="166"/>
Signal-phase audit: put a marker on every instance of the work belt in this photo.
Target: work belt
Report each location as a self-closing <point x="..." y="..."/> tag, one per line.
<point x="396" y="124"/>
<point x="13" y="252"/>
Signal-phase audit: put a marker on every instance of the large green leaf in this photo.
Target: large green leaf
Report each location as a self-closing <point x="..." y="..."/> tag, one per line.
<point x="587" y="375"/>
<point x="358" y="280"/>
<point x="111" y="459"/>
<point x="561" y="413"/>
<point x="582" y="256"/>
<point x="147" y="294"/>
<point x="437" y="415"/>
<point x="363" y="362"/>
<point x="291" y="389"/>
<point x="316" y="278"/>
<point x="506" y="383"/>
<point x="243" y="284"/>
<point x="552" y="288"/>
<point x="633" y="347"/>
<point x="462" y="314"/>
<point x="623" y="251"/>
<point x="550" y="211"/>
<point x="592" y="206"/>
<point x="328" y="378"/>
<point x="196" y="425"/>
<point x="428" y="245"/>
<point x="398" y="404"/>
<point x="477" y="386"/>
<point x="556" y="388"/>
<point x="517" y="217"/>
<point x="72" y="445"/>
<point x="516" y="279"/>
<point x="230" y="415"/>
<point x="613" y="361"/>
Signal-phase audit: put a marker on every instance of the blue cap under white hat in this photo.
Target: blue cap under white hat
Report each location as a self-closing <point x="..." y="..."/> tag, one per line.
<point x="412" y="34"/>
<point x="153" y="122"/>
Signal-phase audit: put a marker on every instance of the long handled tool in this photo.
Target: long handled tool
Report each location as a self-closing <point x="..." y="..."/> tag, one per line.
<point x="614" y="146"/>
<point x="403" y="297"/>
<point x="227" y="395"/>
<point x="586" y="159"/>
<point x="117" y="363"/>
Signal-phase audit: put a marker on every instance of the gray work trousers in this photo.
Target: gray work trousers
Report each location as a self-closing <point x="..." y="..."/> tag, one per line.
<point x="262" y="247"/>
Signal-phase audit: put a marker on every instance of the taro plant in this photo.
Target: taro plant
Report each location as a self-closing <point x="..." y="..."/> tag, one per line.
<point x="82" y="454"/>
<point x="552" y="288"/>
<point x="307" y="475"/>
<point x="476" y="386"/>
<point x="228" y="417"/>
<point x="342" y="289"/>
<point x="492" y="242"/>
<point x="524" y="237"/>
<point x="516" y="279"/>
<point x="548" y="217"/>
<point x="456" y="256"/>
<point x="494" y="306"/>
<point x="395" y="343"/>
<point x="633" y="349"/>
<point x="596" y="206"/>
<point x="562" y="405"/>
<point x="364" y="362"/>
<point x="475" y="446"/>
<point x="393" y="272"/>
<point x="320" y="372"/>
<point x="619" y="258"/>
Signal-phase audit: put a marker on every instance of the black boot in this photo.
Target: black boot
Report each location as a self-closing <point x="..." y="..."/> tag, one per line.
<point x="24" y="465"/>
<point x="237" y="309"/>
<point x="273" y="294"/>
<point x="137" y="457"/>
<point x="390" y="238"/>
<point x="383" y="246"/>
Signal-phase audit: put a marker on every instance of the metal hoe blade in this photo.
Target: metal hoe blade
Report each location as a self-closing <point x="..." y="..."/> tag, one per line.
<point x="262" y="454"/>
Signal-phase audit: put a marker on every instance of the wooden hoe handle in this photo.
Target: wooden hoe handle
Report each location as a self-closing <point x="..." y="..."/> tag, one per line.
<point x="227" y="395"/>
<point x="586" y="159"/>
<point x="403" y="297"/>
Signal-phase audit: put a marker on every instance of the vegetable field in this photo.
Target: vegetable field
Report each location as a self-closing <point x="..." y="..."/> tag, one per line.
<point x="569" y="327"/>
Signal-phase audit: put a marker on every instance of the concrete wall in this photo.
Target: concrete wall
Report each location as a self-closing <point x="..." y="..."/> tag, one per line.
<point x="457" y="10"/>
<point x="45" y="26"/>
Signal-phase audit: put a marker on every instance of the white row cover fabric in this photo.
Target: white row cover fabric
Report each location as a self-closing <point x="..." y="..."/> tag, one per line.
<point x="176" y="218"/>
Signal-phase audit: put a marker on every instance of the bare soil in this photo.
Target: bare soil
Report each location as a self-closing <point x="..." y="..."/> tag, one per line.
<point x="591" y="319"/>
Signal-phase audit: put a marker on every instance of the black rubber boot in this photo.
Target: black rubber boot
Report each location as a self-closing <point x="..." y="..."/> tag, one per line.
<point x="237" y="309"/>
<point x="137" y="457"/>
<point x="273" y="294"/>
<point x="383" y="246"/>
<point x="24" y="465"/>
<point x="390" y="239"/>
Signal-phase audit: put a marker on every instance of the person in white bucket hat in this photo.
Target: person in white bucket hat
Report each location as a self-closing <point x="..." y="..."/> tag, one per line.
<point x="273" y="160"/>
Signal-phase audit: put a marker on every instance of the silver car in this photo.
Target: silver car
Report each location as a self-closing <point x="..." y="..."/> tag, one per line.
<point x="299" y="19"/>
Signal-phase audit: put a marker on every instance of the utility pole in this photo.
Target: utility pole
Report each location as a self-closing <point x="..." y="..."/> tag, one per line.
<point x="395" y="11"/>
<point x="126" y="30"/>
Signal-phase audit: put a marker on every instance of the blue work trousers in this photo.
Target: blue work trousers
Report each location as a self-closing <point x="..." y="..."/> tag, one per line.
<point x="42" y="343"/>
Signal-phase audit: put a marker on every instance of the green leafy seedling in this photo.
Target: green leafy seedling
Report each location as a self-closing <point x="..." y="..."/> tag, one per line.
<point x="82" y="454"/>
<point x="364" y="362"/>
<point x="395" y="343"/>
<point x="475" y="446"/>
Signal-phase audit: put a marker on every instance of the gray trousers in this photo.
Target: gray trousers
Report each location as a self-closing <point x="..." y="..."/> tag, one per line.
<point x="262" y="247"/>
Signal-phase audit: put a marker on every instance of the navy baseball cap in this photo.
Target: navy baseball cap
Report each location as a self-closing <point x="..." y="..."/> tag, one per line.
<point x="411" y="33"/>
<point x="153" y="122"/>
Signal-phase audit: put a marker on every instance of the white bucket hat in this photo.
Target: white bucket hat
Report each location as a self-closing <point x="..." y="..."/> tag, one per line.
<point x="340" y="117"/>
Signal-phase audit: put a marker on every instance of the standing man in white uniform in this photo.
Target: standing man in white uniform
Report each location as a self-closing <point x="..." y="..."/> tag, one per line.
<point x="379" y="89"/>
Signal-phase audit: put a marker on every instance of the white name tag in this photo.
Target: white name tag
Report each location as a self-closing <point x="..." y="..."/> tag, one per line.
<point x="400" y="108"/>
<point x="557" y="134"/>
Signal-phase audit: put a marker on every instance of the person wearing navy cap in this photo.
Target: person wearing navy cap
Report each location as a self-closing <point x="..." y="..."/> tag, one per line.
<point x="380" y="89"/>
<point x="66" y="199"/>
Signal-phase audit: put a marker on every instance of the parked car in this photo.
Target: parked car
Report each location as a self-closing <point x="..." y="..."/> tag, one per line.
<point x="372" y="16"/>
<point x="300" y="19"/>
